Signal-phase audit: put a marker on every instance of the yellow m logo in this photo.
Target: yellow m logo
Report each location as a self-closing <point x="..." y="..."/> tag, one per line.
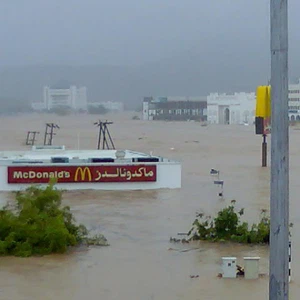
<point x="83" y="172"/>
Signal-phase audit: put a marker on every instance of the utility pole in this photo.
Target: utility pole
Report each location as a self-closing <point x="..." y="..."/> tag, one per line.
<point x="103" y="130"/>
<point x="48" y="137"/>
<point x="279" y="204"/>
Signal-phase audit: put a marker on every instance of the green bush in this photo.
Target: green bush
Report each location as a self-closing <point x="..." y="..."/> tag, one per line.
<point x="39" y="225"/>
<point x="227" y="226"/>
<point x="97" y="110"/>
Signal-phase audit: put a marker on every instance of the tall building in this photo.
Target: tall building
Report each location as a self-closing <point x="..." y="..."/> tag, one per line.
<point x="174" y="108"/>
<point x="237" y="108"/>
<point x="62" y="96"/>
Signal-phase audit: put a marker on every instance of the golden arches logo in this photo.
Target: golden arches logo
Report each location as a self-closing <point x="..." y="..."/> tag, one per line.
<point x="83" y="171"/>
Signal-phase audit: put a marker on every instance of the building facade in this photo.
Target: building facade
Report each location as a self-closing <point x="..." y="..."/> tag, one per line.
<point x="72" y="97"/>
<point x="175" y="108"/>
<point x="237" y="108"/>
<point x="294" y="102"/>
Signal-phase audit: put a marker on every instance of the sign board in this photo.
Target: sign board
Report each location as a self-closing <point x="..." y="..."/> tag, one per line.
<point x="76" y="174"/>
<point x="263" y="110"/>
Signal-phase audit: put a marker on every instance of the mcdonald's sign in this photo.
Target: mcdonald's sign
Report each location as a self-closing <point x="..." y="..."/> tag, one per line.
<point x="85" y="174"/>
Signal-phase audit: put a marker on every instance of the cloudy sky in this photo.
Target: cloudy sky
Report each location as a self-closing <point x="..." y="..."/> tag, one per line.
<point x="125" y="49"/>
<point x="133" y="32"/>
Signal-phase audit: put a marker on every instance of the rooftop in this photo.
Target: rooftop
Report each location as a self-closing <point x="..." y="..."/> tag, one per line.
<point x="58" y="154"/>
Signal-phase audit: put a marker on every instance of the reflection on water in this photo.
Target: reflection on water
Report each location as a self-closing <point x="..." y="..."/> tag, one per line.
<point x="139" y="264"/>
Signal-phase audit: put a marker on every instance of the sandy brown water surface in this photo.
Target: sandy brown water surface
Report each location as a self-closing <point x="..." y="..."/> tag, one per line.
<point x="139" y="265"/>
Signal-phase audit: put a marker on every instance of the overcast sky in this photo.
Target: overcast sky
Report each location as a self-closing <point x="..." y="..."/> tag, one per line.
<point x="132" y="32"/>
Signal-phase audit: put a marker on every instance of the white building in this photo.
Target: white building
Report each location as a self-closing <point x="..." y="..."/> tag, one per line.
<point x="109" y="105"/>
<point x="237" y="108"/>
<point x="73" y="97"/>
<point x="294" y="101"/>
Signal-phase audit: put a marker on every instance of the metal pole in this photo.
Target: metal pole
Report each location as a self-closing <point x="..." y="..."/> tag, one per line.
<point x="264" y="151"/>
<point x="279" y="204"/>
<point x="46" y="133"/>
<point x="51" y="134"/>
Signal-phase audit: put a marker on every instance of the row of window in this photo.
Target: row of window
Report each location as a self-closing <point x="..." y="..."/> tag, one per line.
<point x="294" y="107"/>
<point x="193" y="112"/>
<point x="294" y="91"/>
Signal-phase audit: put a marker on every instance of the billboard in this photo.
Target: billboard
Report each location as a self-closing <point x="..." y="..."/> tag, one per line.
<point x="76" y="174"/>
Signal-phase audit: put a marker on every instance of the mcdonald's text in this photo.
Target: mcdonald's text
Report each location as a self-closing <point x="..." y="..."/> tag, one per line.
<point x="76" y="174"/>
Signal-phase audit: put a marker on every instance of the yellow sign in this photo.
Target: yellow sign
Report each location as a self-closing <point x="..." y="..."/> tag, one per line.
<point x="83" y="172"/>
<point x="263" y="101"/>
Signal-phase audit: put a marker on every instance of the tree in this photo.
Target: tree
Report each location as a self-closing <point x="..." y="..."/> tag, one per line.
<point x="61" y="110"/>
<point x="38" y="224"/>
<point x="227" y="226"/>
<point x="97" y="110"/>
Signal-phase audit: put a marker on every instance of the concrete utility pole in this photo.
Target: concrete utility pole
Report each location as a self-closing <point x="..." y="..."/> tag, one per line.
<point x="279" y="235"/>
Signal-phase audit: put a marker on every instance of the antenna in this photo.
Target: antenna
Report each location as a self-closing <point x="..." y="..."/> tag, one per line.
<point x="103" y="133"/>
<point x="49" y="133"/>
<point x="31" y="135"/>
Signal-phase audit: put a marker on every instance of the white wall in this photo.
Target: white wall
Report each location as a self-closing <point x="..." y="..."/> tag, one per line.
<point x="145" y="110"/>
<point x="241" y="107"/>
<point x="168" y="176"/>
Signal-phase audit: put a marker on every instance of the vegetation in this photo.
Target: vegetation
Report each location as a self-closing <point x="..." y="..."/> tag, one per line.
<point x="61" y="110"/>
<point x="39" y="225"/>
<point x="97" y="110"/>
<point x="227" y="226"/>
<point x="13" y="106"/>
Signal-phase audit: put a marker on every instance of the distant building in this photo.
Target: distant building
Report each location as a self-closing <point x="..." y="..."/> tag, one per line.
<point x="175" y="108"/>
<point x="237" y="108"/>
<point x="73" y="97"/>
<point x="294" y="101"/>
<point x="109" y="105"/>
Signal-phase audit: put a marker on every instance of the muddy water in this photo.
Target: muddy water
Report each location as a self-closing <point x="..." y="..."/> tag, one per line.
<point x="139" y="263"/>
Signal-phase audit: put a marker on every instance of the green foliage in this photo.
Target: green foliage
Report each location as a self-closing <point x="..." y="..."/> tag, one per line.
<point x="227" y="226"/>
<point x="39" y="225"/>
<point x="97" y="110"/>
<point x="61" y="110"/>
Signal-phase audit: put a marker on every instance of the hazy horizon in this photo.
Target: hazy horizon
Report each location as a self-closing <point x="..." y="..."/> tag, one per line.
<point x="124" y="50"/>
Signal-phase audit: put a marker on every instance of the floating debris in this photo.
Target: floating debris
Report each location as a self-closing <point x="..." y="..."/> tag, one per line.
<point x="97" y="240"/>
<point x="214" y="172"/>
<point x="174" y="240"/>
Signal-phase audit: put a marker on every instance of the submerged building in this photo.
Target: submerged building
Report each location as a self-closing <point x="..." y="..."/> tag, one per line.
<point x="175" y="108"/>
<point x="87" y="169"/>
<point x="237" y="108"/>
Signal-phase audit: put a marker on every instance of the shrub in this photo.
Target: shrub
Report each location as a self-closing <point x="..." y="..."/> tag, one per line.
<point x="39" y="225"/>
<point x="227" y="226"/>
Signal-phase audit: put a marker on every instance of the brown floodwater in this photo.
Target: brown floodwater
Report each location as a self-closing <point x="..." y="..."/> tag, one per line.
<point x="139" y="264"/>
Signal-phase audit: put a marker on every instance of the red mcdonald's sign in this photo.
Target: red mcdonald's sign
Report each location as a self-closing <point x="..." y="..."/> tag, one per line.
<point x="76" y="174"/>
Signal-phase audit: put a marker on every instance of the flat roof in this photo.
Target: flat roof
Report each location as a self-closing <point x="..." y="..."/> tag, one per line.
<point x="45" y="154"/>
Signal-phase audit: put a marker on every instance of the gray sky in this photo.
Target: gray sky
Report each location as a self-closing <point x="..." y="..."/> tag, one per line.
<point x="167" y="47"/>
<point x="132" y="31"/>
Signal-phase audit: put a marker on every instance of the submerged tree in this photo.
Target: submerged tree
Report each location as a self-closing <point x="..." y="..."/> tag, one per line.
<point x="227" y="226"/>
<point x="39" y="225"/>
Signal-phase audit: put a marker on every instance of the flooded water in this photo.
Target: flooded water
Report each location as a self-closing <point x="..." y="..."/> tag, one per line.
<point x="139" y="264"/>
